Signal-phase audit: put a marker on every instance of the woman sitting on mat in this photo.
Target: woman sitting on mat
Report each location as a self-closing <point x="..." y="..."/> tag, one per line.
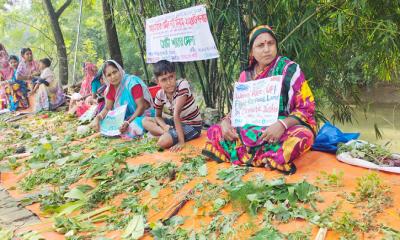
<point x="17" y="90"/>
<point x="82" y="101"/>
<point x="275" y="146"/>
<point x="125" y="89"/>
<point x="28" y="68"/>
<point x="47" y="90"/>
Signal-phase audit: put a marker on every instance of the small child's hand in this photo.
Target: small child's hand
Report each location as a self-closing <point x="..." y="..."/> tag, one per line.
<point x="177" y="147"/>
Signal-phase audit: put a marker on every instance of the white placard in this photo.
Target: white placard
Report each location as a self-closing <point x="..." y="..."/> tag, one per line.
<point x="256" y="102"/>
<point x="110" y="125"/>
<point x="180" y="36"/>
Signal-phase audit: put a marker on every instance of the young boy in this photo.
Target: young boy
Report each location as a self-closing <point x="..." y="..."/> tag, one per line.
<point x="177" y="97"/>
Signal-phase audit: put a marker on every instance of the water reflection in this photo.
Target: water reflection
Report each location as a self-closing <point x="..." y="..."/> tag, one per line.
<point x="386" y="116"/>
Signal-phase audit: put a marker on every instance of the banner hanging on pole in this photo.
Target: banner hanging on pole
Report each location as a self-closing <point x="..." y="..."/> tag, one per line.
<point x="180" y="36"/>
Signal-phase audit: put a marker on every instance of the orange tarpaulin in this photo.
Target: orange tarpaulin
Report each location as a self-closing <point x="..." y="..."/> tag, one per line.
<point x="309" y="166"/>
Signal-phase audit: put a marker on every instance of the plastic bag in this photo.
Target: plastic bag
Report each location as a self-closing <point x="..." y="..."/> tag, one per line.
<point x="329" y="136"/>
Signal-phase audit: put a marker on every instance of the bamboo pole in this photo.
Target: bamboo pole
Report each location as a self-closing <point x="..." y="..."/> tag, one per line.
<point x="241" y="34"/>
<point x="137" y="40"/>
<point x="77" y="42"/>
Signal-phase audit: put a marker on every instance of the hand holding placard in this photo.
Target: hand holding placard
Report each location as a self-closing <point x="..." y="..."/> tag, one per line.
<point x="256" y="102"/>
<point x="110" y="125"/>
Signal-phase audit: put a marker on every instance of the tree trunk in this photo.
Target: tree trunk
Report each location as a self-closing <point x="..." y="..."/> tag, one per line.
<point x="111" y="32"/>
<point x="59" y="38"/>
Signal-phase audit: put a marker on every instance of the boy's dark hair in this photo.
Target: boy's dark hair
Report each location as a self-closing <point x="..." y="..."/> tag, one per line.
<point x="13" y="57"/>
<point x="46" y="62"/>
<point x="25" y="50"/>
<point x="162" y="67"/>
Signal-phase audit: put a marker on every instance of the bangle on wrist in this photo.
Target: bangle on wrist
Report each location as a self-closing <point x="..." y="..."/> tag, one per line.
<point x="283" y="124"/>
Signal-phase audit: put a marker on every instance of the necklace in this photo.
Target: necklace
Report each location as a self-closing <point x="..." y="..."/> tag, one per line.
<point x="256" y="72"/>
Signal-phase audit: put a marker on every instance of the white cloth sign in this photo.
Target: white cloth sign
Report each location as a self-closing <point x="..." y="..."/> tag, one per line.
<point x="180" y="36"/>
<point x="256" y="102"/>
<point x="110" y="125"/>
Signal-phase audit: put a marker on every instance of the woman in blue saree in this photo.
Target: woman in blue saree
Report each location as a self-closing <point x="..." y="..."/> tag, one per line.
<point x="124" y="89"/>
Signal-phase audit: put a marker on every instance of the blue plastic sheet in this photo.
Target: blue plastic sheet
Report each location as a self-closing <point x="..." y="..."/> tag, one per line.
<point x="329" y="136"/>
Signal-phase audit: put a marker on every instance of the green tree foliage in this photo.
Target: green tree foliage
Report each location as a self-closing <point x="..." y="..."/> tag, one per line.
<point x="340" y="45"/>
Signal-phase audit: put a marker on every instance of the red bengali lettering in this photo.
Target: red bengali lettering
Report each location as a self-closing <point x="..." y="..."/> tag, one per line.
<point x="155" y="27"/>
<point x="179" y="22"/>
<point x="172" y="23"/>
<point x="191" y="20"/>
<point x="202" y="18"/>
<point x="165" y="24"/>
<point x="196" y="19"/>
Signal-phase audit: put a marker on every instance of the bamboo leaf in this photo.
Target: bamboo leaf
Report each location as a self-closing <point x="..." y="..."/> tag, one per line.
<point x="340" y="24"/>
<point x="69" y="207"/>
<point x="135" y="228"/>
<point x="75" y="194"/>
<point x="378" y="132"/>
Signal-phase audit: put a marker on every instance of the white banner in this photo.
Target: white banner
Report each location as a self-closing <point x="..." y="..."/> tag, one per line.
<point x="256" y="102"/>
<point x="180" y="36"/>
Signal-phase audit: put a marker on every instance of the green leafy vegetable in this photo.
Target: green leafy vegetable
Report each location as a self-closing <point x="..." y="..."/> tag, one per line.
<point x="135" y="228"/>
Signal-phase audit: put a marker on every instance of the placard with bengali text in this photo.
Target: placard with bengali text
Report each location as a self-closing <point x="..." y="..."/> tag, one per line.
<point x="180" y="36"/>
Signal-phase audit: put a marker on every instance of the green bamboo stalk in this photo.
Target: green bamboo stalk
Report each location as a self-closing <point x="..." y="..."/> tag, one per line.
<point x="243" y="53"/>
<point x="142" y="53"/>
<point x="203" y="87"/>
<point x="299" y="25"/>
<point x="139" y="20"/>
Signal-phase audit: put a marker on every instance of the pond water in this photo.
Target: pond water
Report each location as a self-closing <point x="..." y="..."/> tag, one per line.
<point x="387" y="118"/>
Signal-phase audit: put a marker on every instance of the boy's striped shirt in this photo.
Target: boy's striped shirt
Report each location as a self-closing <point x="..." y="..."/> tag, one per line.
<point x="190" y="113"/>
